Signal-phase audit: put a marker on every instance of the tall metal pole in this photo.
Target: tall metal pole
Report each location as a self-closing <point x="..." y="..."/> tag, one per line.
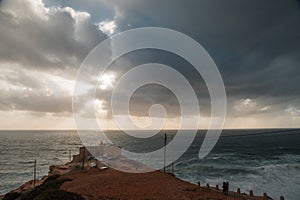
<point x="70" y="157"/>
<point x="83" y="159"/>
<point x="165" y="151"/>
<point x="34" y="173"/>
<point x="172" y="155"/>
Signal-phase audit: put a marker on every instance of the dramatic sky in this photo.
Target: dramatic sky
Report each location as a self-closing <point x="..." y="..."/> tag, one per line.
<point x="254" y="43"/>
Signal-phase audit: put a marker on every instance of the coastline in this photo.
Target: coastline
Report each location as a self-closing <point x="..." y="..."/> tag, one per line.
<point x="103" y="182"/>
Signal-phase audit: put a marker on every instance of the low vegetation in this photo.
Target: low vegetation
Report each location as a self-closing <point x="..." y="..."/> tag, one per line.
<point x="47" y="191"/>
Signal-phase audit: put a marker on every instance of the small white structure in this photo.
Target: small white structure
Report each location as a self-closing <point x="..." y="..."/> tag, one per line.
<point x="105" y="151"/>
<point x="100" y="152"/>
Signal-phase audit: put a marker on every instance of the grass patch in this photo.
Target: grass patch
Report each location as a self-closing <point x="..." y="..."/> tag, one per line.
<point x="47" y="191"/>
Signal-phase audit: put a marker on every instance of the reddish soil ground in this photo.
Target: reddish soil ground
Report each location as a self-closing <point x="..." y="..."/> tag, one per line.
<point x="112" y="184"/>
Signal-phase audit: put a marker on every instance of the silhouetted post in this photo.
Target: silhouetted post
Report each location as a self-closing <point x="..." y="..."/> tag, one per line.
<point x="83" y="158"/>
<point x="281" y="198"/>
<point x="34" y="173"/>
<point x="70" y="157"/>
<point x="173" y="155"/>
<point x="251" y="193"/>
<point x="165" y="151"/>
<point x="238" y="191"/>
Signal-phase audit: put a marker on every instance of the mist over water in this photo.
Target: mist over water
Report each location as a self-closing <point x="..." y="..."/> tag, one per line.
<point x="258" y="160"/>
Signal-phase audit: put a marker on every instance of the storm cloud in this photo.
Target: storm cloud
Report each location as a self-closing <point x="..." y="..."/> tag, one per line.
<point x="255" y="44"/>
<point x="45" y="37"/>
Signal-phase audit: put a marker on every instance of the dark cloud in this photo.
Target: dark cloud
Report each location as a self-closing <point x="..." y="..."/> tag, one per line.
<point x="150" y="94"/>
<point x="37" y="103"/>
<point x="40" y="49"/>
<point x="255" y="44"/>
<point x="41" y="37"/>
<point x="24" y="90"/>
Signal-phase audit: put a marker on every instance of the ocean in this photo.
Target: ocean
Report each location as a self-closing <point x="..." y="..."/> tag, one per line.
<point x="258" y="160"/>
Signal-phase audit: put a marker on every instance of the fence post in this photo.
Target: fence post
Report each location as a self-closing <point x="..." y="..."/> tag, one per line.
<point x="165" y="151"/>
<point x="173" y="156"/>
<point x="251" y="193"/>
<point x="83" y="159"/>
<point x="70" y="157"/>
<point x="34" y="173"/>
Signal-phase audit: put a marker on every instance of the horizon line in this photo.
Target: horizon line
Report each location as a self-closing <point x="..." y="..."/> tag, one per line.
<point x="258" y="128"/>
